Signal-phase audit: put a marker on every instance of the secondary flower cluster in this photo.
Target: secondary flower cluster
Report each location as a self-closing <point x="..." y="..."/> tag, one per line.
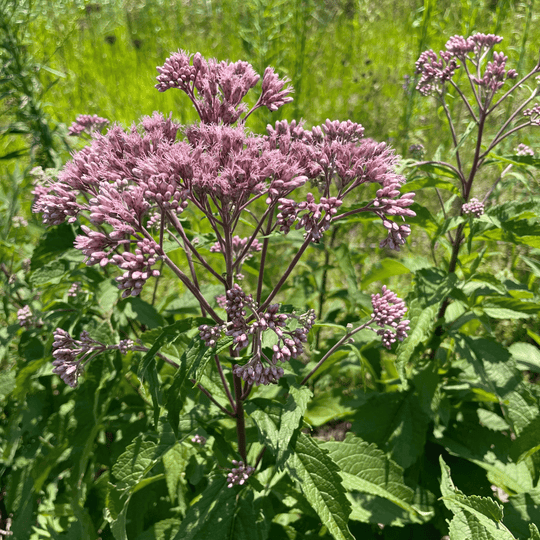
<point x="218" y="88"/>
<point x="86" y="123"/>
<point x="388" y="310"/>
<point x="436" y="70"/>
<point x="25" y="317"/>
<point x="474" y="207"/>
<point x="241" y="327"/>
<point x="71" y="355"/>
<point x="524" y="150"/>
<point x="239" y="474"/>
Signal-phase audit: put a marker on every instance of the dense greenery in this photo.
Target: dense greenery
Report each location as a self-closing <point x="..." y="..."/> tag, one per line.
<point x="438" y="436"/>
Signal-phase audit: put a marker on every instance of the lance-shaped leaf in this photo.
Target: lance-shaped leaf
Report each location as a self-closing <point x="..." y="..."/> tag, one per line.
<point x="320" y="481"/>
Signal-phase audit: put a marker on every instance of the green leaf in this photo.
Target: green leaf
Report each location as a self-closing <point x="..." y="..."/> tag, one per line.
<point x="383" y="270"/>
<point x="56" y="241"/>
<point x="343" y="257"/>
<point x="162" y="530"/>
<point x="50" y="273"/>
<point x="510" y="308"/>
<point x="212" y="515"/>
<point x="367" y="469"/>
<point x="535" y="534"/>
<point x="291" y="417"/>
<point x="474" y="517"/>
<point x="7" y="382"/>
<point x="521" y="510"/>
<point x="319" y="479"/>
<point x="137" y="461"/>
<point x="423" y="320"/>
<point x="396" y="423"/>
<point x="527" y="443"/>
<point x="176" y="393"/>
<point x="145" y="313"/>
<point x="526" y="355"/>
<point x="432" y="182"/>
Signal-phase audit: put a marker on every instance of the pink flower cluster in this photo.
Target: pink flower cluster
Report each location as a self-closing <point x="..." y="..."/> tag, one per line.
<point x="71" y="355"/>
<point x="241" y="327"/>
<point x="436" y="70"/>
<point x="218" y="88"/>
<point x="534" y="114"/>
<point x="316" y="217"/>
<point x="524" y="150"/>
<point x="388" y="311"/>
<point x="474" y="207"/>
<point x="127" y="182"/>
<point x="241" y="247"/>
<point x="87" y="123"/>
<point x="239" y="474"/>
<point x="25" y="317"/>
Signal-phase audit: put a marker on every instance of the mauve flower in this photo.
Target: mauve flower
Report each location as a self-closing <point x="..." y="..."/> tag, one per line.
<point x="474" y="207"/>
<point x="87" y="123"/>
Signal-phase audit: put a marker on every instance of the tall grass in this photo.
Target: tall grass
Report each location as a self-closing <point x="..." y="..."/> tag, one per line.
<point x="346" y="59"/>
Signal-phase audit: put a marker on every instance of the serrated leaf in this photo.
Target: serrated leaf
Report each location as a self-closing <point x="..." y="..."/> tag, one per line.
<point x="138" y="460"/>
<point x="320" y="481"/>
<point x="475" y="517"/>
<point x="396" y="423"/>
<point x="535" y="534"/>
<point x="211" y="516"/>
<point x="423" y="320"/>
<point x="366" y="468"/>
<point x="291" y="420"/>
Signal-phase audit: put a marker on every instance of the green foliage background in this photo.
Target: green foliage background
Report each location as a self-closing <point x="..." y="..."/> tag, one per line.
<point x="114" y="459"/>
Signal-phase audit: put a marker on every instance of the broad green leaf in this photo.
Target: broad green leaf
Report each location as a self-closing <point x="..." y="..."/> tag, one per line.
<point x="343" y="257"/>
<point x="433" y="285"/>
<point x="432" y="182"/>
<point x="526" y="355"/>
<point x="116" y="506"/>
<point x="7" y="382"/>
<point x="528" y="441"/>
<point x="266" y="415"/>
<point x="499" y="374"/>
<point x="162" y="530"/>
<point x="521" y="510"/>
<point x="56" y="241"/>
<point x="291" y="419"/>
<point x="367" y="469"/>
<point x="396" y="423"/>
<point x="320" y="481"/>
<point x="474" y="444"/>
<point x="211" y="516"/>
<point x="138" y="460"/>
<point x="510" y="308"/>
<point x="145" y="313"/>
<point x="383" y="270"/>
<point x="326" y="406"/>
<point x="175" y="462"/>
<point x="474" y="517"/>
<point x="423" y="320"/>
<point x="50" y="273"/>
<point x="535" y="534"/>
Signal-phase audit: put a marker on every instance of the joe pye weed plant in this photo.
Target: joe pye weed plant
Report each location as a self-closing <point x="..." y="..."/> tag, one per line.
<point x="133" y="190"/>
<point x="176" y="426"/>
